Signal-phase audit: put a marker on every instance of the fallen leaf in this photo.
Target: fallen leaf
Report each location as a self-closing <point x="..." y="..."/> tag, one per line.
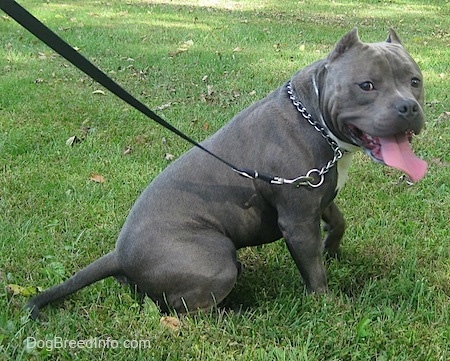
<point x="97" y="178"/>
<point x="445" y="116"/>
<point x="169" y="157"/>
<point x="237" y="49"/>
<point x="171" y="323"/>
<point x="188" y="43"/>
<point x="433" y="103"/>
<point x="163" y="106"/>
<point x="173" y="54"/>
<point x="17" y="290"/>
<point x="101" y="92"/>
<point x="73" y="140"/>
<point x="184" y="46"/>
<point x="235" y="94"/>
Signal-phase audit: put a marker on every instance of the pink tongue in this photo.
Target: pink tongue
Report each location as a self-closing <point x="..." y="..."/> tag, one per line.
<point x="397" y="153"/>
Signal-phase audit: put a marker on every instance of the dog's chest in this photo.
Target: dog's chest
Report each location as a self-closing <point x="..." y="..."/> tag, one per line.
<point x="343" y="165"/>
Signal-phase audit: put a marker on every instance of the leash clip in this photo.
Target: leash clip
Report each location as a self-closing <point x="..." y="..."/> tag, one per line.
<point x="303" y="180"/>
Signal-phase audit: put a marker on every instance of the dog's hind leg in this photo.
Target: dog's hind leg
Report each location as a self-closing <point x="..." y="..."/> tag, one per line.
<point x="102" y="268"/>
<point x="195" y="272"/>
<point x="335" y="227"/>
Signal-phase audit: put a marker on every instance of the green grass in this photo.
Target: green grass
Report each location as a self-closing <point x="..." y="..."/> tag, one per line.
<point x="390" y="293"/>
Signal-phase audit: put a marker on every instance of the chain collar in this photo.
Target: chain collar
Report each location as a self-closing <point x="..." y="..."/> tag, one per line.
<point x="314" y="177"/>
<point x="338" y="153"/>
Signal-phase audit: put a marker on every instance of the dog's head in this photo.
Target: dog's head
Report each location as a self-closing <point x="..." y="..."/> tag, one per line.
<point x="374" y="99"/>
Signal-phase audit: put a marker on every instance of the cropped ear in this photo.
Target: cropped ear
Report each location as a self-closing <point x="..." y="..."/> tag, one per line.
<point x="393" y="37"/>
<point x="347" y="42"/>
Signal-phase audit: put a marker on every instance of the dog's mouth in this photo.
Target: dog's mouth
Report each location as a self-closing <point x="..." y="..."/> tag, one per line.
<point x="394" y="151"/>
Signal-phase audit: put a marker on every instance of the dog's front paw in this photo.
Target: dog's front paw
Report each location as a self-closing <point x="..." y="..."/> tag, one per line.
<point x="335" y="228"/>
<point x="333" y="253"/>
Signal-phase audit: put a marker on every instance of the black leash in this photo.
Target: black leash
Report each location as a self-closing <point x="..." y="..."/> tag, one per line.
<point x="43" y="33"/>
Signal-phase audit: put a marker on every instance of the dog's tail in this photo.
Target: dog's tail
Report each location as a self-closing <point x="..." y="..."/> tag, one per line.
<point x="104" y="267"/>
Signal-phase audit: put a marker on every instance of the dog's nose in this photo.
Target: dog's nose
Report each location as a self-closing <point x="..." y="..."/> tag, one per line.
<point x="407" y="107"/>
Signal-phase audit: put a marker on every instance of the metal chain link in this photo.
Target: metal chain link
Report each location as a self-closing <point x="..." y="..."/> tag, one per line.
<point x="338" y="153"/>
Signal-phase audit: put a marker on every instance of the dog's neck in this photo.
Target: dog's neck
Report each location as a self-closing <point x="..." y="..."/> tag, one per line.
<point x="348" y="147"/>
<point x="343" y="151"/>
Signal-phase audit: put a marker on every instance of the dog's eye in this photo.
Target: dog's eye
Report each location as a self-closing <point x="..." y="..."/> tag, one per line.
<point x="415" y="82"/>
<point x="367" y="86"/>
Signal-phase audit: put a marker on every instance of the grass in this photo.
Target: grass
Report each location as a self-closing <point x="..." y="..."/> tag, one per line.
<point x="199" y="63"/>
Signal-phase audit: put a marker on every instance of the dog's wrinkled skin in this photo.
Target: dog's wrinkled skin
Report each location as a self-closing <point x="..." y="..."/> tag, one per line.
<point x="179" y="242"/>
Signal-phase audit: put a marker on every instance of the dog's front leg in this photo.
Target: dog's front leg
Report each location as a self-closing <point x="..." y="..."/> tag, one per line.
<point x="306" y="247"/>
<point x="335" y="227"/>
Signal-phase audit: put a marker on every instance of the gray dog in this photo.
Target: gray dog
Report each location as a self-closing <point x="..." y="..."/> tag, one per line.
<point x="179" y="242"/>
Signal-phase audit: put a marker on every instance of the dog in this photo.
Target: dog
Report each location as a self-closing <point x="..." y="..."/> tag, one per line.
<point x="178" y="244"/>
